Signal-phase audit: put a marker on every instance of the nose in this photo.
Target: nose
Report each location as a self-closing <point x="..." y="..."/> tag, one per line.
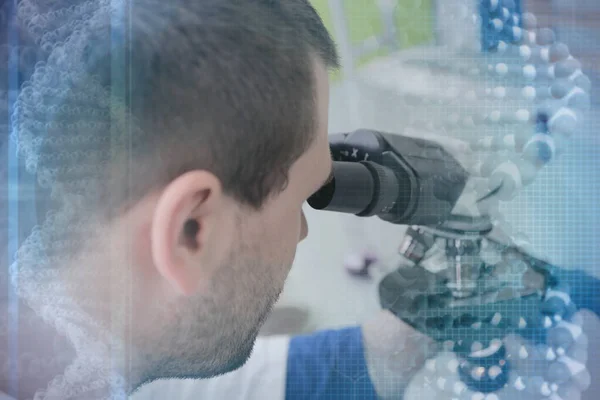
<point x="303" y="228"/>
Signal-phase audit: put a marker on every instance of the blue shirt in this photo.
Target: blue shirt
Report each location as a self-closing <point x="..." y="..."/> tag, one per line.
<point x="328" y="365"/>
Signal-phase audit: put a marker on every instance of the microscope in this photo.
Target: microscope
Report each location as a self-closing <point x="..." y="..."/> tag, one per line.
<point x="462" y="282"/>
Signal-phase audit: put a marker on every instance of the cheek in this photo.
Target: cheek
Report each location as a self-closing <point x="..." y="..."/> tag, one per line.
<point x="285" y="233"/>
<point x="303" y="228"/>
<point x="290" y="229"/>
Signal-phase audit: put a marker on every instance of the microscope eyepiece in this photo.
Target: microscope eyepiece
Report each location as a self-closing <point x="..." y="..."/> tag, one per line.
<point x="359" y="188"/>
<point x="400" y="179"/>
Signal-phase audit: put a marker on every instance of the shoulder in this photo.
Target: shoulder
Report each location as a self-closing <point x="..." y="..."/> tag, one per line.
<point x="4" y="396"/>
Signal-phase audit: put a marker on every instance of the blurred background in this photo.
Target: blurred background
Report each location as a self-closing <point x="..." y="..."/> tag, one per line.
<point x="382" y="86"/>
<point x="408" y="67"/>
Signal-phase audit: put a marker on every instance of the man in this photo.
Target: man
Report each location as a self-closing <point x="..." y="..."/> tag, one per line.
<point x="177" y="142"/>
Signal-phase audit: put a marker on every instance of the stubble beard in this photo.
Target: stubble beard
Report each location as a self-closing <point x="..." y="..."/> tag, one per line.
<point x="215" y="334"/>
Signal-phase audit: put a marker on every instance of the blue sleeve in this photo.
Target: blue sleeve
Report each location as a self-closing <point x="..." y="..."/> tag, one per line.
<point x="328" y="365"/>
<point x="584" y="288"/>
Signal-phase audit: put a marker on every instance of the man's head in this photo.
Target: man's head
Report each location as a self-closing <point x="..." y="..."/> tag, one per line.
<point x="191" y="135"/>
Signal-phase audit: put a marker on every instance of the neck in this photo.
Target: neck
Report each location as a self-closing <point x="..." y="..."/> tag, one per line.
<point x="49" y="366"/>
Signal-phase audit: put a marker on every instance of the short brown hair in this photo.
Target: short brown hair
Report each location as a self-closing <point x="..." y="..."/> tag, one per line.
<point x="221" y="85"/>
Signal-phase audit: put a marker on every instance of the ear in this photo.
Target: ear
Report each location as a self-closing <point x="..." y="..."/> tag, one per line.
<point x="185" y="217"/>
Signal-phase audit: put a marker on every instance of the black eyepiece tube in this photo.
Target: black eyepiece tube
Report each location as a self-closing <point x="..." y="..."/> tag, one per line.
<point x="402" y="180"/>
<point x="359" y="188"/>
<point x="350" y="190"/>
